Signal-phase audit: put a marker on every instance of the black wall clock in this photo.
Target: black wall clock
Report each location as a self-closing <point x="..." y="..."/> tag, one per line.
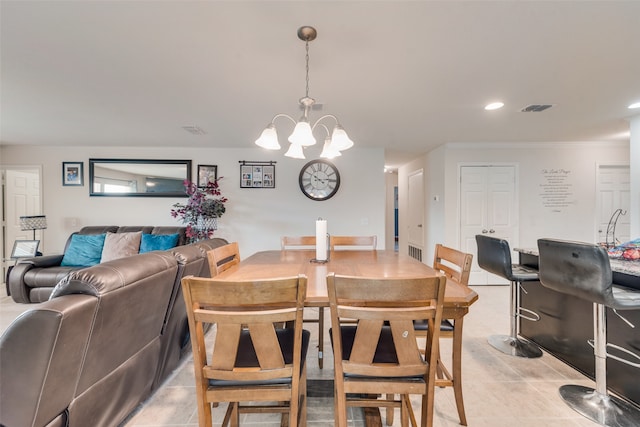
<point x="319" y="180"/>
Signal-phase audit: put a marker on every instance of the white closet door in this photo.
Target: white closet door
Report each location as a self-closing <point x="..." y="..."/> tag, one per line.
<point x="488" y="205"/>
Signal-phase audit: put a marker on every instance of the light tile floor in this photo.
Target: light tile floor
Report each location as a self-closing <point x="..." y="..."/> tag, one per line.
<point x="499" y="390"/>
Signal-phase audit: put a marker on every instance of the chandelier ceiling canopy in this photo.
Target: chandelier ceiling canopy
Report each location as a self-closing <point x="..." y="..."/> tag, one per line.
<point x="335" y="141"/>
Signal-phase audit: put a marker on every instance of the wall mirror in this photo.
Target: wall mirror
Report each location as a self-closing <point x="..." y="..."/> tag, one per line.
<point x="140" y="178"/>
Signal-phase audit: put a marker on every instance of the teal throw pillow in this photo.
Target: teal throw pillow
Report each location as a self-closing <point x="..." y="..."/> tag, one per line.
<point x="158" y="242"/>
<point x="84" y="250"/>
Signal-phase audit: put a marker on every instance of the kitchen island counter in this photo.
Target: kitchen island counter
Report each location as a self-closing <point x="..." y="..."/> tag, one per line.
<point x="566" y="324"/>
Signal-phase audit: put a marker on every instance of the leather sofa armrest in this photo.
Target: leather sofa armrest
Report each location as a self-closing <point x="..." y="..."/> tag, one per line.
<point x="41" y="358"/>
<point x="43" y="261"/>
<point x="15" y="281"/>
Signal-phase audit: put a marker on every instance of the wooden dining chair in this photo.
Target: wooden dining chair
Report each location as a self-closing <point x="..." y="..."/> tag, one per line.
<point x="297" y="242"/>
<point x="223" y="258"/>
<point x="308" y="242"/>
<point x="455" y="265"/>
<point x="251" y="359"/>
<point x="353" y="241"/>
<point x="379" y="355"/>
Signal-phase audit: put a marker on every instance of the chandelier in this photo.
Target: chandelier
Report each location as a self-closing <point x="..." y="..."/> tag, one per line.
<point x="302" y="136"/>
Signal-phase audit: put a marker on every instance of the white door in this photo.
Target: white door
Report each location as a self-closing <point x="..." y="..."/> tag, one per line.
<point x="488" y="205"/>
<point x="613" y="194"/>
<point x="22" y="197"/>
<point x="415" y="212"/>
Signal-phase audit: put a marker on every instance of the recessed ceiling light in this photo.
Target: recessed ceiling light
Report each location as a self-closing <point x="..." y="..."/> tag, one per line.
<point x="634" y="105"/>
<point x="494" y="106"/>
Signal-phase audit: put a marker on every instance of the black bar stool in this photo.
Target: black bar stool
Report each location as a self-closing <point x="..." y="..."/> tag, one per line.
<point x="583" y="270"/>
<point x="494" y="256"/>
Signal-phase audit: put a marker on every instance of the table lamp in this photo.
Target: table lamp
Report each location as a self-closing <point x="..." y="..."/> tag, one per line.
<point x="33" y="222"/>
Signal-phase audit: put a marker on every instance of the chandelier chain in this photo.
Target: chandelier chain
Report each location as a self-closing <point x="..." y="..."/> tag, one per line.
<point x="307" y="61"/>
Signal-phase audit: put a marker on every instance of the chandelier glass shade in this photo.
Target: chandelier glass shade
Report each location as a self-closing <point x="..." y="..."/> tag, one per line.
<point x="302" y="135"/>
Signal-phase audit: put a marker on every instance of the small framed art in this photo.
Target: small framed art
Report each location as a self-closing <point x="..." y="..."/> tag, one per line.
<point x="257" y="174"/>
<point x="207" y="174"/>
<point x="73" y="173"/>
<point x="24" y="248"/>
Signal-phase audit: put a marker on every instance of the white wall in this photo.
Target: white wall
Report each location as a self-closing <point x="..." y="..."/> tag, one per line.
<point x="576" y="221"/>
<point x="403" y="189"/>
<point x="256" y="218"/>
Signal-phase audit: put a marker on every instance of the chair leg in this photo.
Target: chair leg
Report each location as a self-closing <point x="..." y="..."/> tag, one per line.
<point x="390" y="411"/>
<point x="512" y="344"/>
<point x="405" y="407"/>
<point x="457" y="369"/>
<point x="596" y="404"/>
<point x="320" y="337"/>
<point x="406" y="400"/>
<point x="204" y="407"/>
<point x="303" y="397"/>
<point x="232" y="416"/>
<point x="340" y="407"/>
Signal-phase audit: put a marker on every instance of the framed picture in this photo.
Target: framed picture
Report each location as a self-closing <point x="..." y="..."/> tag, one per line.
<point x="24" y="248"/>
<point x="72" y="173"/>
<point x="257" y="175"/>
<point x="207" y="174"/>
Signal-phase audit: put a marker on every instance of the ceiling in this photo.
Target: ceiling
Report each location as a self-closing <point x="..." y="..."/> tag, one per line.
<point x="404" y="75"/>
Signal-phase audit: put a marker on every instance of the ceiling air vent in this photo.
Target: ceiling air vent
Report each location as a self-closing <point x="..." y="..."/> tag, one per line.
<point x="536" y="108"/>
<point x="194" y="130"/>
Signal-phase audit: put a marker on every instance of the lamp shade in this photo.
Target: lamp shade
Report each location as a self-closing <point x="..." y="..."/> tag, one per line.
<point x="33" y="222"/>
<point x="340" y="140"/>
<point x="295" y="151"/>
<point x="328" y="151"/>
<point x="269" y="138"/>
<point x="302" y="134"/>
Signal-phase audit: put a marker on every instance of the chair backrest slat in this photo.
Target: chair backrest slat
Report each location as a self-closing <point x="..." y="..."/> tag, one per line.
<point x="223" y="257"/>
<point x="244" y="310"/>
<point x="385" y="309"/>
<point x="297" y="242"/>
<point x="353" y="241"/>
<point x="453" y="263"/>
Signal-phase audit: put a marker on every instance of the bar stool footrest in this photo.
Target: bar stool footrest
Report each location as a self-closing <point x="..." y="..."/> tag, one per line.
<point x="604" y="409"/>
<point x="514" y="346"/>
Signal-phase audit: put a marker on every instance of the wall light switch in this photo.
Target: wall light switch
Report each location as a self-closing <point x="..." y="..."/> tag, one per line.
<point x="71" y="222"/>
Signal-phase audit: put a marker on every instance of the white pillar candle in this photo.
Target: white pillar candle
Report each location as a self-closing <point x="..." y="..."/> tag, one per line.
<point x="321" y="239"/>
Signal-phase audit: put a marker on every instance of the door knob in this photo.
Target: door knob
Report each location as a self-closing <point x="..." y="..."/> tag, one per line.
<point x="492" y="231"/>
<point x="484" y="231"/>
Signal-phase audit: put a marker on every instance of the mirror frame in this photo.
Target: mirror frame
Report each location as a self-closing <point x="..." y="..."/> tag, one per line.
<point x="93" y="162"/>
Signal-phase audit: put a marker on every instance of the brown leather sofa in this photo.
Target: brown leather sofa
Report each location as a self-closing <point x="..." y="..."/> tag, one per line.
<point x="108" y="337"/>
<point x="33" y="279"/>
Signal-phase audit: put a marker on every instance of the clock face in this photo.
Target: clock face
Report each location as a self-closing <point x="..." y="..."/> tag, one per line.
<point x="319" y="180"/>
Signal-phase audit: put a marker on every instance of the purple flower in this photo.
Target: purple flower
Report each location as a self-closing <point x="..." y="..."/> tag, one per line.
<point x="201" y="205"/>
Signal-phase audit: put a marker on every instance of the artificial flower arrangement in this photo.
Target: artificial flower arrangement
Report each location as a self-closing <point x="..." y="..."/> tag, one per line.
<point x="202" y="210"/>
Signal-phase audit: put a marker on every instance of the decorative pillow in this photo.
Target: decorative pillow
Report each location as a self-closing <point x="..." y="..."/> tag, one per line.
<point x="120" y="245"/>
<point x="158" y="242"/>
<point x="84" y="250"/>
